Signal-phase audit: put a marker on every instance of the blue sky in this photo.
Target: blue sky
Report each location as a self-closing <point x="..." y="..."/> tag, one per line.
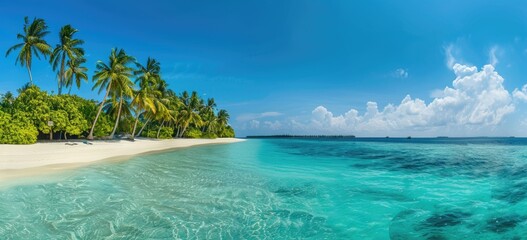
<point x="316" y="67"/>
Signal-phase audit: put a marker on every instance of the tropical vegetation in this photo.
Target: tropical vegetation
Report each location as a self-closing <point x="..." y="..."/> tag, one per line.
<point x="137" y="101"/>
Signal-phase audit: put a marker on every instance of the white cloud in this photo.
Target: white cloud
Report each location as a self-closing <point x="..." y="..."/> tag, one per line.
<point x="252" y="116"/>
<point x="254" y="124"/>
<point x="476" y="99"/>
<point x="493" y="59"/>
<point x="400" y="73"/>
<point x="450" y="60"/>
<point x="520" y="94"/>
<point x="276" y="125"/>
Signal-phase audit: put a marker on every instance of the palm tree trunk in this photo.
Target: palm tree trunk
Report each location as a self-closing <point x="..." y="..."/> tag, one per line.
<point x="118" y="116"/>
<point x="29" y="71"/>
<point x="90" y="136"/>
<point x="61" y="73"/>
<point x="135" y="126"/>
<point x="142" y="128"/>
<point x="159" y="130"/>
<point x="184" y="129"/>
<point x="177" y="132"/>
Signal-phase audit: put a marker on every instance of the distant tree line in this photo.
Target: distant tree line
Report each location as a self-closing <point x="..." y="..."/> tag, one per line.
<point x="136" y="102"/>
<point x="302" y="136"/>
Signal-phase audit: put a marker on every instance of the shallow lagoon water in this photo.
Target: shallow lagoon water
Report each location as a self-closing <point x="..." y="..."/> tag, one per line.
<point x="287" y="189"/>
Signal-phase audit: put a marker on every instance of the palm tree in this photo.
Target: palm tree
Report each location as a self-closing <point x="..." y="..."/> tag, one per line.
<point x="118" y="106"/>
<point x="32" y="43"/>
<point x="68" y="47"/>
<point x="163" y="113"/>
<point x="207" y="113"/>
<point x="7" y="101"/>
<point x="223" y="120"/>
<point x="149" y="81"/>
<point x="143" y="102"/>
<point x="189" y="113"/>
<point x="115" y="74"/>
<point x="75" y="72"/>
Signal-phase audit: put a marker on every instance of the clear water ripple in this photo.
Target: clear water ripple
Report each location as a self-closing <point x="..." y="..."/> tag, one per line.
<point x="285" y="189"/>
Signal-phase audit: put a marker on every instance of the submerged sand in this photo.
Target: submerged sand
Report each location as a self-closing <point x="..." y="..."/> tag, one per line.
<point x="26" y="160"/>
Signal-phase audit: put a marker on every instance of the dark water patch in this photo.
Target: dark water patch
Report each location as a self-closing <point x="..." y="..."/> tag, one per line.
<point x="511" y="195"/>
<point x="436" y="237"/>
<point x="514" y="187"/>
<point x="446" y="219"/>
<point x="504" y="224"/>
<point x="402" y="227"/>
<point x="440" y="159"/>
<point x="421" y="224"/>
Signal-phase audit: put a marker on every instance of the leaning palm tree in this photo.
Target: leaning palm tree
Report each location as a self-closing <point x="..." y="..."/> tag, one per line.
<point x="112" y="75"/>
<point x="75" y="72"/>
<point x="67" y="50"/>
<point x="143" y="102"/>
<point x="118" y="107"/>
<point x="150" y="83"/>
<point x="189" y="113"/>
<point x="32" y="43"/>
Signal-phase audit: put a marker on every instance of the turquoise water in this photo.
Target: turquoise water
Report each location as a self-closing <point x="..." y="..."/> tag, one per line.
<point x="285" y="189"/>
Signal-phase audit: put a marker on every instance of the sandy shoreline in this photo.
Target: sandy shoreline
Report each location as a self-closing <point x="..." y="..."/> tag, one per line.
<point x="20" y="157"/>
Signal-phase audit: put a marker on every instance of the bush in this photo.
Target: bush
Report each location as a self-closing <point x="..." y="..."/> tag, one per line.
<point x="210" y="135"/>
<point x="227" y="132"/>
<point x="103" y="127"/>
<point x="192" y="133"/>
<point x="166" y="133"/>
<point x="16" y="130"/>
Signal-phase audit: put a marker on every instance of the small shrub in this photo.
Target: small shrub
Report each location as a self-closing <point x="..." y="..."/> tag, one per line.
<point x="210" y="135"/>
<point x="193" y="133"/>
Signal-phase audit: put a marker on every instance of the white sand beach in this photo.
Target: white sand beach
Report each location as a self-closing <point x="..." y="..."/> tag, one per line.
<point x="24" y="160"/>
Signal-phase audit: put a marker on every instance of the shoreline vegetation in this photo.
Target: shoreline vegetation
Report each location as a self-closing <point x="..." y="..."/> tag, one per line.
<point x="301" y="136"/>
<point x="137" y="101"/>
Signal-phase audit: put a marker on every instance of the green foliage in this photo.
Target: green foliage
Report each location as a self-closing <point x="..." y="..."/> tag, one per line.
<point x="193" y="133"/>
<point x="16" y="130"/>
<point x="67" y="117"/>
<point x="103" y="127"/>
<point x="227" y="132"/>
<point x="33" y="43"/>
<point x="210" y="135"/>
<point x="166" y="133"/>
<point x="149" y="133"/>
<point x="34" y="105"/>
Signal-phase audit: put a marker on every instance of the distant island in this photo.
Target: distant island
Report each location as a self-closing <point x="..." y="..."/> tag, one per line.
<point x="302" y="136"/>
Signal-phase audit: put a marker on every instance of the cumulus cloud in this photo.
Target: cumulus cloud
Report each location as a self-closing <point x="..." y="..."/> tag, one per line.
<point x="476" y="98"/>
<point x="400" y="73"/>
<point x="520" y="94"/>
